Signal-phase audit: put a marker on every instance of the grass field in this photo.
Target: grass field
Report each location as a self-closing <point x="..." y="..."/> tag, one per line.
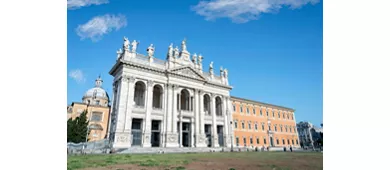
<point x="202" y="161"/>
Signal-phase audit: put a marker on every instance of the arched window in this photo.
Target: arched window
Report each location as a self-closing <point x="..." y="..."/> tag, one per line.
<point x="218" y="106"/>
<point x="139" y="95"/>
<point x="185" y="100"/>
<point x="157" y="96"/>
<point x="206" y="104"/>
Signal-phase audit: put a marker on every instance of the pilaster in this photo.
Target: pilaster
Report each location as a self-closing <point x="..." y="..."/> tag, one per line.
<point x="129" y="105"/>
<point x="147" y="120"/>
<point x="214" y="129"/>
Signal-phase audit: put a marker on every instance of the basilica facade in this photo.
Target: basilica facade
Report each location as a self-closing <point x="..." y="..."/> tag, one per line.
<point x="168" y="103"/>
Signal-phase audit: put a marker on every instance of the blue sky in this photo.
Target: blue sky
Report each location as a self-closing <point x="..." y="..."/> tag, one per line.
<point x="273" y="50"/>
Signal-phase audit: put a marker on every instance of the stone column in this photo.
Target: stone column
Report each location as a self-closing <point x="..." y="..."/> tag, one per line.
<point x="180" y="123"/>
<point x="172" y="135"/>
<point x="202" y="135"/>
<point x="196" y="113"/>
<point x="164" y="121"/>
<point x="112" y="112"/>
<point x="214" y="128"/>
<point x="147" y="120"/>
<point x="192" y="132"/>
<point x="121" y="139"/>
<point x="226" y="122"/>
<point x="129" y="106"/>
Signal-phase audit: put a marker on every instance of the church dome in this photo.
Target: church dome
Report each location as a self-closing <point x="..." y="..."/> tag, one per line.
<point x="96" y="92"/>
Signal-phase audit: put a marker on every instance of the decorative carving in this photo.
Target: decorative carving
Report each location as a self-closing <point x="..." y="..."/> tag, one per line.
<point x="124" y="79"/>
<point x="134" y="46"/>
<point x="122" y="138"/>
<point x="132" y="79"/>
<point x="150" y="83"/>
<point x="150" y="50"/>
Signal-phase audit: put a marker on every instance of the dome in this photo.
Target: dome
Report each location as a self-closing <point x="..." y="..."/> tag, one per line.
<point x="97" y="91"/>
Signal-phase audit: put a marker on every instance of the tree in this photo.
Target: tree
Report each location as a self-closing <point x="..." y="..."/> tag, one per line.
<point x="78" y="128"/>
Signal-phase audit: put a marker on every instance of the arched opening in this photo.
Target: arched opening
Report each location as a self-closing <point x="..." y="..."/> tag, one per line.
<point x="157" y="97"/>
<point x="218" y="106"/>
<point x="185" y="100"/>
<point x="206" y="104"/>
<point x="139" y="94"/>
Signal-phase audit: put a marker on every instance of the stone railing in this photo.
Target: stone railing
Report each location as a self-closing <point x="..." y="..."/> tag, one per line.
<point x="99" y="146"/>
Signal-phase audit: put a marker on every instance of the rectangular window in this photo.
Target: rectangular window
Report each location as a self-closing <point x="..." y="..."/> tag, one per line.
<point x="286" y="128"/>
<point x="265" y="141"/>
<point x="276" y="129"/>
<point x="262" y="127"/>
<point x="292" y="141"/>
<point x="288" y="141"/>
<point x="279" y="115"/>
<point x="247" y="110"/>
<point x="277" y="141"/>
<point x="283" y="141"/>
<point x="269" y="127"/>
<point x="234" y="108"/>
<point x="256" y="126"/>
<point x="261" y="112"/>
<point x="235" y="124"/>
<point x="281" y="128"/>
<point x="251" y="140"/>
<point x="96" y="117"/>
<point x="254" y="111"/>
<point x="237" y="141"/>
<point x="244" y="141"/>
<point x="249" y="126"/>
<point x="241" y="109"/>
<point x="273" y="114"/>
<point x="243" y="125"/>
<point x="257" y="140"/>
<point x="267" y="113"/>
<point x="297" y="141"/>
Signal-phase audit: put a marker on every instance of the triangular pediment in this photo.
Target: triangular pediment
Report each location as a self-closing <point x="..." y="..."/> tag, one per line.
<point x="188" y="72"/>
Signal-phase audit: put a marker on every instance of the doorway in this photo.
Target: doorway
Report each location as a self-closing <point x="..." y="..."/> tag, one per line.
<point x="186" y="130"/>
<point x="156" y="133"/>
<point x="136" y="131"/>
<point x="220" y="135"/>
<point x="207" y="131"/>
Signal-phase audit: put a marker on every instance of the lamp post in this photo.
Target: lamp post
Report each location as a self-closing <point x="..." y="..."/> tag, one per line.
<point x="231" y="131"/>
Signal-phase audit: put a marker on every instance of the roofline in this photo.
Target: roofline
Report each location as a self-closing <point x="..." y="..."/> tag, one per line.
<point x="262" y="103"/>
<point x="90" y="105"/>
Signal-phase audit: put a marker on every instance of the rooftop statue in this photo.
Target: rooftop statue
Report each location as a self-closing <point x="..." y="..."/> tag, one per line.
<point x="134" y="45"/>
<point x="170" y="50"/>
<point x="183" y="45"/>
<point x="150" y="50"/>
<point x="126" y="44"/>
<point x="176" y="52"/>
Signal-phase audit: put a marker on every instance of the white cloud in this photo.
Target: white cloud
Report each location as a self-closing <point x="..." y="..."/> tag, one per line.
<point x="76" y="4"/>
<point x="100" y="25"/>
<point x="77" y="75"/>
<point x="241" y="11"/>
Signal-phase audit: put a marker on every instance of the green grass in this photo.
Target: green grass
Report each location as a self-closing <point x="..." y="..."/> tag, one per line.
<point x="179" y="161"/>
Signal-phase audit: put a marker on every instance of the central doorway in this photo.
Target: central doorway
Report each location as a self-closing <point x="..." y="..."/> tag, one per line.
<point x="136" y="131"/>
<point x="186" y="137"/>
<point x="156" y="133"/>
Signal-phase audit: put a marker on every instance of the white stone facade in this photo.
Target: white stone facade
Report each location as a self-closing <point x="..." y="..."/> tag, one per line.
<point x="172" y="103"/>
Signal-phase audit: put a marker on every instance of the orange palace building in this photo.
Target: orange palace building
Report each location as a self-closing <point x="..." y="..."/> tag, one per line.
<point x="258" y="124"/>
